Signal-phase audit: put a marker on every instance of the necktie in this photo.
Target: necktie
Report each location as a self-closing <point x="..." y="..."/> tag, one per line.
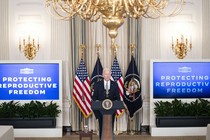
<point x="107" y="90"/>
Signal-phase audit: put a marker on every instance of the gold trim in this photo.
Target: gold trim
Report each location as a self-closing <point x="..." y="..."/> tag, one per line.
<point x="182" y="47"/>
<point x="113" y="12"/>
<point x="29" y="48"/>
<point x="107" y="106"/>
<point x="86" y="116"/>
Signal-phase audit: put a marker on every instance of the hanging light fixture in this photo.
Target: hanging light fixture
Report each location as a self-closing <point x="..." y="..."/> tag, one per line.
<point x="113" y="12"/>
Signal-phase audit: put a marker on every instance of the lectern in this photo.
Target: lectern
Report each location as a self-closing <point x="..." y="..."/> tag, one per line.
<point x="107" y="108"/>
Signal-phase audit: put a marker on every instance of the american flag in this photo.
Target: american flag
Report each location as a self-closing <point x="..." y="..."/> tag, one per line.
<point x="117" y="76"/>
<point x="81" y="90"/>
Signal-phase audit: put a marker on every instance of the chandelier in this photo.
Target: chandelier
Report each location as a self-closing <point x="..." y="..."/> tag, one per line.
<point x="113" y="12"/>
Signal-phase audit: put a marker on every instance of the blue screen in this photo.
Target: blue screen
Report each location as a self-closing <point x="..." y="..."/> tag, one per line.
<point x="181" y="79"/>
<point x="34" y="81"/>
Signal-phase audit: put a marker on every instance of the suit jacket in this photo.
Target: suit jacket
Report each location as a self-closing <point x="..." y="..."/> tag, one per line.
<point x="100" y="93"/>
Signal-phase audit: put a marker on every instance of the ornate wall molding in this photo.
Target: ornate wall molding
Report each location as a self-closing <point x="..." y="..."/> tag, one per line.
<point x="206" y="29"/>
<point x="60" y="44"/>
<point x="150" y="49"/>
<point x="4" y="28"/>
<point x="26" y="18"/>
<point x="187" y="23"/>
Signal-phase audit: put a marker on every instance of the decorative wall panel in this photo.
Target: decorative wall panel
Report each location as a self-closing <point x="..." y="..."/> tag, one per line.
<point x="4" y="28"/>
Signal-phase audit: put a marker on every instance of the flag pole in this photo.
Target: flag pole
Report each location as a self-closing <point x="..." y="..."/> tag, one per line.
<point x="97" y="49"/>
<point x="82" y="47"/>
<point x="131" y="120"/>
<point x="133" y="47"/>
<point x="80" y="81"/>
<point x="97" y="65"/>
<point x="132" y="132"/>
<point x="115" y="47"/>
<point x="98" y="46"/>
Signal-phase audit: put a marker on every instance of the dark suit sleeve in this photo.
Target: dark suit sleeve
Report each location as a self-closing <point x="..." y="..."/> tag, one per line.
<point x="94" y="98"/>
<point x="95" y="93"/>
<point x="117" y="94"/>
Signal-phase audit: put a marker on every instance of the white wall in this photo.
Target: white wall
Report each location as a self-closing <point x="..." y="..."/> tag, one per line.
<point x="157" y="40"/>
<point x="189" y="22"/>
<point x="53" y="37"/>
<point x="27" y="17"/>
<point x="206" y="29"/>
<point x="4" y="28"/>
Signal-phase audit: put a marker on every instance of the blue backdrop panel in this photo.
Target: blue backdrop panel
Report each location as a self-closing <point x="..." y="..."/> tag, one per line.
<point x="181" y="79"/>
<point x="29" y="81"/>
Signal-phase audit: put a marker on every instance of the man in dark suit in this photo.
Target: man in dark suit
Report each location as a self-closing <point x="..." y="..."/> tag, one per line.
<point x="105" y="89"/>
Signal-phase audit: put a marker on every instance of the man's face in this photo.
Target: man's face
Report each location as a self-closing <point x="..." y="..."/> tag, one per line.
<point x="107" y="75"/>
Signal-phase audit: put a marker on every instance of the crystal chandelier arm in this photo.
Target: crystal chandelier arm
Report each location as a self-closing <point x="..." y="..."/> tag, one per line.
<point x="126" y="6"/>
<point x="130" y="2"/>
<point x="68" y="6"/>
<point x="109" y="2"/>
<point x="96" y="2"/>
<point x="60" y="5"/>
<point x="95" y="17"/>
<point x="178" y="8"/>
<point x="117" y="8"/>
<point x="85" y="8"/>
<point x="157" y="5"/>
<point x="138" y="8"/>
<point x="89" y="11"/>
<point x="156" y="10"/>
<point x="113" y="12"/>
<point x="114" y="8"/>
<point x="57" y="8"/>
<point x="79" y="6"/>
<point x="140" y="2"/>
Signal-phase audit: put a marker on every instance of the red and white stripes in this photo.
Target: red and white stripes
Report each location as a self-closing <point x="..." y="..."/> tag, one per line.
<point x="82" y="95"/>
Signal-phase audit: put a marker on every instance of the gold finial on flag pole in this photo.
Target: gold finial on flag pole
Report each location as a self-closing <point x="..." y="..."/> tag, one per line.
<point x="133" y="47"/>
<point x="115" y="47"/>
<point x="82" y="47"/>
<point x="97" y="48"/>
